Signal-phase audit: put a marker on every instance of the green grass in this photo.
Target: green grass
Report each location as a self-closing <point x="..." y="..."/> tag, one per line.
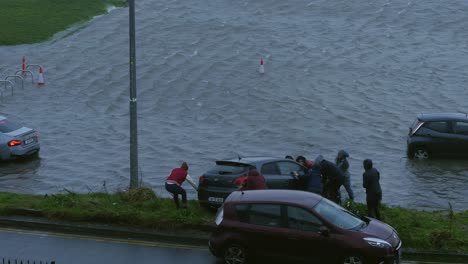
<point x="420" y="230"/>
<point x="32" y="21"/>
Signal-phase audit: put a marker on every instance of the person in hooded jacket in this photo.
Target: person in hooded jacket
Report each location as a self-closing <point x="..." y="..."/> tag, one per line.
<point x="371" y="182"/>
<point x="313" y="177"/>
<point x="174" y="184"/>
<point x="254" y="181"/>
<point x="333" y="178"/>
<point x="342" y="163"/>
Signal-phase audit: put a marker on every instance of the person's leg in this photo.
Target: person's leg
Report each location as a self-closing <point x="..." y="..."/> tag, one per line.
<point x="377" y="207"/>
<point x="370" y="206"/>
<point x="181" y="191"/>
<point x="347" y="185"/>
<point x="172" y="188"/>
<point x="184" y="197"/>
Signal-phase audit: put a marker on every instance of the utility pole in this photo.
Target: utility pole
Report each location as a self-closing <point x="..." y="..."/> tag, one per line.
<point x="133" y="100"/>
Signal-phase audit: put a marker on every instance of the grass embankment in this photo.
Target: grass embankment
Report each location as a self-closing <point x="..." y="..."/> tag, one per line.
<point x="421" y="230"/>
<point x="31" y="21"/>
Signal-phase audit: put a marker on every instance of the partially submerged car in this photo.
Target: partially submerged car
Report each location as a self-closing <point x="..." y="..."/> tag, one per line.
<point x="17" y="141"/>
<point x="298" y="226"/>
<point x="218" y="182"/>
<point x="438" y="135"/>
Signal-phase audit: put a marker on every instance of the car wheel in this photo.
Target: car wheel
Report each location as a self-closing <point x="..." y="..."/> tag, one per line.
<point x="352" y="260"/>
<point x="235" y="254"/>
<point x="421" y="153"/>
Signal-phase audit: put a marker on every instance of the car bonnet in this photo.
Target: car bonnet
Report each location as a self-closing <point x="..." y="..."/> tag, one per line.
<point x="381" y="230"/>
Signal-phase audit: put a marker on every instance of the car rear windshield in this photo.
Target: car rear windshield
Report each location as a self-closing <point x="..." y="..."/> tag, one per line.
<point x="229" y="168"/>
<point x="7" y="126"/>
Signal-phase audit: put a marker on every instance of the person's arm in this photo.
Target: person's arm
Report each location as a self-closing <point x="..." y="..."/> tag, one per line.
<point x="365" y="181"/>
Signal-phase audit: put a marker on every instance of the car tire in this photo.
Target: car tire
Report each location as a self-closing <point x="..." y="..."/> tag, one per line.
<point x="234" y="254"/>
<point x="352" y="259"/>
<point x="420" y="153"/>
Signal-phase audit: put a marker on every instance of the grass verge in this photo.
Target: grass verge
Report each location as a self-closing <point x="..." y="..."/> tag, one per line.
<point x="420" y="230"/>
<point x="32" y="21"/>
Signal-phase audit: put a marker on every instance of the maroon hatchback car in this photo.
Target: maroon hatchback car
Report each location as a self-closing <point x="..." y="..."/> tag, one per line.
<point x="301" y="226"/>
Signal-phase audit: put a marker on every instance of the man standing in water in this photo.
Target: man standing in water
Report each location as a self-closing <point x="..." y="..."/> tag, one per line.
<point x="371" y="182"/>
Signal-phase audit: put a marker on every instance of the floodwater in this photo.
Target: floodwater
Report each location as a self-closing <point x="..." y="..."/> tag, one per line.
<point x="339" y="74"/>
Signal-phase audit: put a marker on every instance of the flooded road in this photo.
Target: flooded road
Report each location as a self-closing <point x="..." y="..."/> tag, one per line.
<point x="338" y="75"/>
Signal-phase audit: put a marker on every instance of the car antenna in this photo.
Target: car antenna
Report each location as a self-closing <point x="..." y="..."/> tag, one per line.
<point x="238" y="156"/>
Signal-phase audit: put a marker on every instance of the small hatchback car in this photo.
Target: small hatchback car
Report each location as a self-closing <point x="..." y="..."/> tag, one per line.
<point x="298" y="226"/>
<point x="16" y="140"/>
<point x="218" y="182"/>
<point x="438" y="134"/>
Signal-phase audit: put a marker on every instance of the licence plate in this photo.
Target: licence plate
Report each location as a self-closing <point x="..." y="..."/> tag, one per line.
<point x="29" y="141"/>
<point x="215" y="199"/>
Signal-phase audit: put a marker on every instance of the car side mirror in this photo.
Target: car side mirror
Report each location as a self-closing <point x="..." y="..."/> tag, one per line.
<point x="324" y="231"/>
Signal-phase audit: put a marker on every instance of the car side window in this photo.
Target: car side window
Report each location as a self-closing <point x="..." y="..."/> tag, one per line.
<point x="461" y="128"/>
<point x="242" y="211"/>
<point x="269" y="168"/>
<point x="287" y="168"/>
<point x="439" y="126"/>
<point x="301" y="219"/>
<point x="265" y="215"/>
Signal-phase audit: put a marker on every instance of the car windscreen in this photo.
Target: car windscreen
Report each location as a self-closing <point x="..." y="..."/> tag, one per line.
<point x="338" y="216"/>
<point x="7" y="126"/>
<point x="229" y="168"/>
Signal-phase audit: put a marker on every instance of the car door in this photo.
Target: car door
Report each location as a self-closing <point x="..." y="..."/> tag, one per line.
<point x="461" y="134"/>
<point x="261" y="228"/>
<point x="304" y="238"/>
<point x="438" y="137"/>
<point x="281" y="174"/>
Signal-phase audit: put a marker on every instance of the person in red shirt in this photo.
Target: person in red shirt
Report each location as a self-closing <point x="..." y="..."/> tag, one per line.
<point x="254" y="181"/>
<point x="174" y="184"/>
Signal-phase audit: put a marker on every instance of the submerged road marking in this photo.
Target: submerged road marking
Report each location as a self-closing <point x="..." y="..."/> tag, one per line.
<point x="105" y="239"/>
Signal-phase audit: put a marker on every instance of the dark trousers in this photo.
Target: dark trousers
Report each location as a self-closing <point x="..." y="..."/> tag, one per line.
<point x="373" y="204"/>
<point x="335" y="186"/>
<point x="176" y="190"/>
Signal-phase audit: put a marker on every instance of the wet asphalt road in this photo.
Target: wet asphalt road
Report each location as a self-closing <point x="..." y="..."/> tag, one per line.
<point x="65" y="248"/>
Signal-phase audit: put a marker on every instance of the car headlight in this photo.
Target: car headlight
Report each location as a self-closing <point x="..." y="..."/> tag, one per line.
<point x="377" y="242"/>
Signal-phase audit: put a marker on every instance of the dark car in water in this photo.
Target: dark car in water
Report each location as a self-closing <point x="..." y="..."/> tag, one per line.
<point x="438" y="135"/>
<point x="298" y="226"/>
<point x="17" y="141"/>
<point x="219" y="181"/>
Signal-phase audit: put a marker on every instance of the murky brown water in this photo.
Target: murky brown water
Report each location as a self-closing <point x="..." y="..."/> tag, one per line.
<point x="339" y="74"/>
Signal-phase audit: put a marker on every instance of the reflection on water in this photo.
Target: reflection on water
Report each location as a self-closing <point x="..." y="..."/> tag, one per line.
<point x="19" y="167"/>
<point x="16" y="174"/>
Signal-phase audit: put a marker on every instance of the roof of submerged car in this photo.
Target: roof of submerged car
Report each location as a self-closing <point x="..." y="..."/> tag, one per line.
<point x="303" y="198"/>
<point x="442" y="116"/>
<point x="248" y="160"/>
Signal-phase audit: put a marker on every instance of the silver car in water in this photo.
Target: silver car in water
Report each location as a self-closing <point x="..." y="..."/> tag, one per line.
<point x="17" y="140"/>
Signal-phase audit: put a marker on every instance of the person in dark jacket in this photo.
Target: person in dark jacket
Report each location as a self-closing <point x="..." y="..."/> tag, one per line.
<point x="174" y="184"/>
<point x="342" y="163"/>
<point x="371" y="182"/>
<point x="333" y="178"/>
<point x="254" y="180"/>
<point x="313" y="177"/>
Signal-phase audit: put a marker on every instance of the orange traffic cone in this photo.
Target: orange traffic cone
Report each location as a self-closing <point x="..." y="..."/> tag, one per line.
<point x="262" y="68"/>
<point x="40" y="80"/>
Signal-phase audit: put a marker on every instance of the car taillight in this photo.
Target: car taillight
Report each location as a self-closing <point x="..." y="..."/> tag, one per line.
<point x="14" y="142"/>
<point x="201" y="180"/>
